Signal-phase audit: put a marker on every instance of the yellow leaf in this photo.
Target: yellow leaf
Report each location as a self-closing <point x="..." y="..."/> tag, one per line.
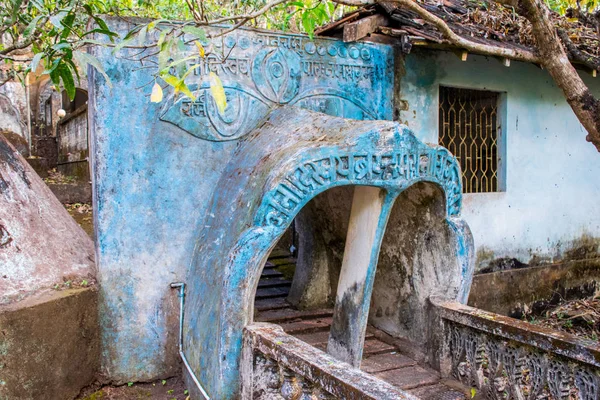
<point x="200" y="48"/>
<point x="473" y="392"/>
<point x="157" y="93"/>
<point x="185" y="90"/>
<point x="217" y="92"/>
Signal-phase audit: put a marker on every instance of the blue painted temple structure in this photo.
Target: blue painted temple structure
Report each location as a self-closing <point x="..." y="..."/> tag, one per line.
<point x="183" y="193"/>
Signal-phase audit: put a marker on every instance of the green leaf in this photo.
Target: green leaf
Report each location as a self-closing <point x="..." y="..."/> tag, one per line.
<point x="176" y="63"/>
<point x="85" y="59"/>
<point x="142" y="36"/>
<point x="123" y="43"/>
<point x="68" y="24"/>
<point x="35" y="62"/>
<point x="61" y="46"/>
<point x="198" y="33"/>
<point x="67" y="79"/>
<point x="39" y="4"/>
<point x="110" y="34"/>
<point x="56" y="19"/>
<point x="308" y="23"/>
<point x="52" y="67"/>
<point x="101" y="23"/>
<point x="32" y="26"/>
<point x="161" y="39"/>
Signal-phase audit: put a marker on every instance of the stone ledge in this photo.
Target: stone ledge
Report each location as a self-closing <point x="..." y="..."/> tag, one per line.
<point x="516" y="289"/>
<point x="49" y="345"/>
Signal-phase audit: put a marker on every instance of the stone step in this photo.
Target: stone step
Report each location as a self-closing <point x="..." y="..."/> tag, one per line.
<point x="410" y="377"/>
<point x="439" y="391"/>
<point x="274" y="282"/>
<point x="289" y="314"/>
<point x="41" y="165"/>
<point x="279" y="253"/>
<point x="307" y="326"/>
<point x="282" y="261"/>
<point x="268" y="293"/>
<point x="271" y="273"/>
<point x="269" y="266"/>
<point x="371" y="347"/>
<point x="272" y="303"/>
<point x="385" y="362"/>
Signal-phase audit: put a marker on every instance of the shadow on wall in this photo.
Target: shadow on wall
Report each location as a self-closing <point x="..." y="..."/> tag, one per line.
<point x="321" y="227"/>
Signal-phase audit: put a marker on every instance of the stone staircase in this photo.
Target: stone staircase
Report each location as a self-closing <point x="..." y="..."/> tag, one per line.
<point x="383" y="356"/>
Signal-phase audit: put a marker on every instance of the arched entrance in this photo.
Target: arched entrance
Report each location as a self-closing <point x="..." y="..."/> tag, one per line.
<point x="290" y="159"/>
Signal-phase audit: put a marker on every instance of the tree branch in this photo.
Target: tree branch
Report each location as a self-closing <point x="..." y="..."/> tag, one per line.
<point x="576" y="54"/>
<point x="246" y="17"/>
<point x="554" y="58"/>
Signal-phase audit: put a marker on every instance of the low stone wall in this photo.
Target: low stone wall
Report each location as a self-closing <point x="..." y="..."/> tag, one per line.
<point x="500" y="357"/>
<point x="513" y="291"/>
<point x="276" y="365"/>
<point x="49" y="345"/>
<point x="69" y="193"/>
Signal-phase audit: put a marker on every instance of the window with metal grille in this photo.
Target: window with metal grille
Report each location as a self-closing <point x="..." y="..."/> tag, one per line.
<point x="468" y="128"/>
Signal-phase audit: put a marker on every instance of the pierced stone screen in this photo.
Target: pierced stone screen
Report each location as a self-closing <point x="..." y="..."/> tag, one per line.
<point x="468" y="128"/>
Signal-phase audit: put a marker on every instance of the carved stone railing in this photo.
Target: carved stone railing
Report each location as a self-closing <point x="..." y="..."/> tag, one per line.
<point x="504" y="358"/>
<point x="276" y="365"/>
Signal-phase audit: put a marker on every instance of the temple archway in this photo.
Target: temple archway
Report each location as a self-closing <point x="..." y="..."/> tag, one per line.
<point x="293" y="157"/>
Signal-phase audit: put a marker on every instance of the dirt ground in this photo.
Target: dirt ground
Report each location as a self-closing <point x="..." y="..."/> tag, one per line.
<point x="578" y="317"/>
<point x="168" y="389"/>
<point x="82" y="213"/>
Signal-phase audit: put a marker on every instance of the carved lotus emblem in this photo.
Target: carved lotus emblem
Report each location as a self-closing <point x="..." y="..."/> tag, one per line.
<point x="276" y="74"/>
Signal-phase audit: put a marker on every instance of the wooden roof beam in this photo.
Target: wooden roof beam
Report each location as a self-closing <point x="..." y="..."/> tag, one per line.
<point x="357" y="30"/>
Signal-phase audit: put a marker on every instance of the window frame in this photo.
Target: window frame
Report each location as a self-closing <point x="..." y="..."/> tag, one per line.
<point x="501" y="130"/>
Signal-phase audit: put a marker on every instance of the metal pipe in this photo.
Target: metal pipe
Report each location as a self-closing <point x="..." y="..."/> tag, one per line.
<point x="181" y="287"/>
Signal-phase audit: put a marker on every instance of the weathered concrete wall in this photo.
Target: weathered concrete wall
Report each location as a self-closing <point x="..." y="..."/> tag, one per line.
<point x="550" y="203"/>
<point x="322" y="226"/>
<point x="156" y="168"/>
<point x="532" y="289"/>
<point x="73" y="147"/>
<point x="49" y="345"/>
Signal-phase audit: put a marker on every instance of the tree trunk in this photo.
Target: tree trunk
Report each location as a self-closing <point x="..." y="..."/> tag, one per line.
<point x="40" y="244"/>
<point x="554" y="58"/>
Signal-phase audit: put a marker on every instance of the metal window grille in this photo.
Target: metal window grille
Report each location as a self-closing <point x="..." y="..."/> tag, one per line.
<point x="468" y="128"/>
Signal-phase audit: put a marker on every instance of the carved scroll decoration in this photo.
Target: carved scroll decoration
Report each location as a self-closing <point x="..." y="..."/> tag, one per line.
<point x="502" y="369"/>
<point x="398" y="168"/>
